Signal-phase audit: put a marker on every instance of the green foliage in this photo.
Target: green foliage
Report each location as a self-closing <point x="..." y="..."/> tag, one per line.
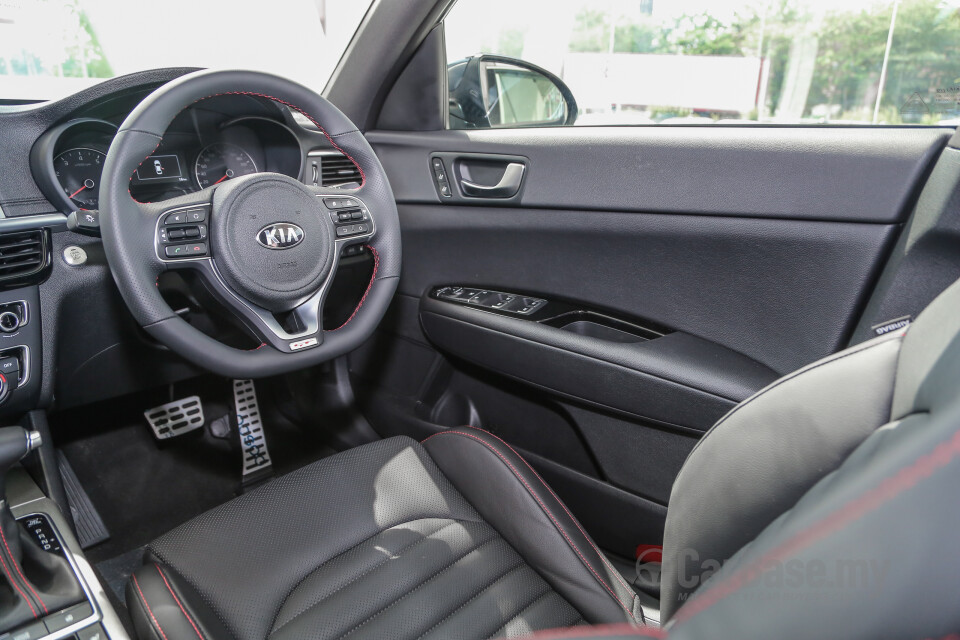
<point x="706" y="35"/>
<point x="925" y="55"/>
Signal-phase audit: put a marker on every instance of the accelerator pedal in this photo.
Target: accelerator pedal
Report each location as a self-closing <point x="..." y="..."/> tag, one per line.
<point x="174" y="418"/>
<point x="253" y="441"/>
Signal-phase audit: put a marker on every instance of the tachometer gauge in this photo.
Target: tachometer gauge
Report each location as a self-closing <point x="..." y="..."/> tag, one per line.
<point x="221" y="161"/>
<point x="78" y="171"/>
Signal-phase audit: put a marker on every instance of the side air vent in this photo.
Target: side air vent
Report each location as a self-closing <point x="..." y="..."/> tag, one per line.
<point x="24" y="256"/>
<point x="337" y="169"/>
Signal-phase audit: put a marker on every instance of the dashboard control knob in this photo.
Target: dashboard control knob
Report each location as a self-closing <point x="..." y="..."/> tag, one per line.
<point x="9" y="322"/>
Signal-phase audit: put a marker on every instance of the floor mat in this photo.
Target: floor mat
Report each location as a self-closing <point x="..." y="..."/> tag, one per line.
<point x="142" y="487"/>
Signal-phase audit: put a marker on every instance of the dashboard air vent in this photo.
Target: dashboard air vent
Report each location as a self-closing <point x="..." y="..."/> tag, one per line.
<point x="23" y="254"/>
<point x="337" y="169"/>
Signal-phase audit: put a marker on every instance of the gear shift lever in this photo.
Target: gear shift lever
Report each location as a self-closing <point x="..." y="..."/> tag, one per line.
<point x="33" y="582"/>
<point x="15" y="443"/>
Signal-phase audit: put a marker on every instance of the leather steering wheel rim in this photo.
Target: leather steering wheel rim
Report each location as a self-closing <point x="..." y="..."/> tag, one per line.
<point x="129" y="228"/>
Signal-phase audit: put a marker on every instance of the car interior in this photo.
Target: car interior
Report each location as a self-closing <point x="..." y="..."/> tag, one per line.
<point x="412" y="356"/>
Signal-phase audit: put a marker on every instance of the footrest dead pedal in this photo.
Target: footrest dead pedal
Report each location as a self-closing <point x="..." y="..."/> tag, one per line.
<point x="172" y="419"/>
<point x="253" y="441"/>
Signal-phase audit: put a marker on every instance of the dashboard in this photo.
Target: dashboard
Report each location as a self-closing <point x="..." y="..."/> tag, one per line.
<point x="206" y="144"/>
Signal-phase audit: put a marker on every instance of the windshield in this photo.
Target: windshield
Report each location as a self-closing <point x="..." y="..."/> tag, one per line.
<point x="52" y="48"/>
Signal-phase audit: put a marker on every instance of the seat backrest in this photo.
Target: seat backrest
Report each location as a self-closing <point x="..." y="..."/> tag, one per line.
<point x="828" y="496"/>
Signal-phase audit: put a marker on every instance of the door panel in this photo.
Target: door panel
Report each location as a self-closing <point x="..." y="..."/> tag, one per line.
<point x="742" y="283"/>
<point x="845" y="174"/>
<point x="753" y="250"/>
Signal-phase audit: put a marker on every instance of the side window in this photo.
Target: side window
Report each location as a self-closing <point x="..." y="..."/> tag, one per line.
<point x="521" y="63"/>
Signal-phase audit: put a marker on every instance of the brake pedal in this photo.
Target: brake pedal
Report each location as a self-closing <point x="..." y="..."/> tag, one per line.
<point x="175" y="418"/>
<point x="253" y="441"/>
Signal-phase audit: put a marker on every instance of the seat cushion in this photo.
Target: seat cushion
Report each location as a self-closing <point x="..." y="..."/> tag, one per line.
<point x="373" y="541"/>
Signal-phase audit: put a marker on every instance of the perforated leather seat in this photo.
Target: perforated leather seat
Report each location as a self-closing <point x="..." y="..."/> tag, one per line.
<point x="850" y="464"/>
<point x="457" y="536"/>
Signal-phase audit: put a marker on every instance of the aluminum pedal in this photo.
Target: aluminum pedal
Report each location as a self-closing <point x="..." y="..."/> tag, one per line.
<point x="174" y="418"/>
<point x="253" y="441"/>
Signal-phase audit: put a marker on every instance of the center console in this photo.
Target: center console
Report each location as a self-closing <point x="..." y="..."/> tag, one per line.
<point x="48" y="590"/>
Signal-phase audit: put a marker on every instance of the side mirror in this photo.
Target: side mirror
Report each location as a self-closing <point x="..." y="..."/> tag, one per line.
<point x="491" y="91"/>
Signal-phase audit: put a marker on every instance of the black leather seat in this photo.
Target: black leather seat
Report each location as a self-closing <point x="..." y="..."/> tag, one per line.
<point x="848" y="465"/>
<point x="393" y="539"/>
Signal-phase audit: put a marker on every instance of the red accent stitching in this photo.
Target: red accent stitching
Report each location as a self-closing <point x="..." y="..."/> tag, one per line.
<point x="149" y="610"/>
<point x="177" y="600"/>
<point x="603" y="559"/>
<point x="13" y="561"/>
<point x="13" y="582"/>
<point x="363" y="176"/>
<point x="373" y="277"/>
<point x="906" y="478"/>
<point x="545" y="509"/>
<point x="599" y="631"/>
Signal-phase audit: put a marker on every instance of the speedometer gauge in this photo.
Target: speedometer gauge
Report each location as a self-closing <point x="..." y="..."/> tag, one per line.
<point x="78" y="171"/>
<point x="221" y="161"/>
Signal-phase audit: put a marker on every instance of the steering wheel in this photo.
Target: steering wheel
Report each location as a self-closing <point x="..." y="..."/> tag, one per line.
<point x="266" y="245"/>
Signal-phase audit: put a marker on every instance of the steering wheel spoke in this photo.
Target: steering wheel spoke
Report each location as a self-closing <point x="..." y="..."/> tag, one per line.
<point x="289" y="331"/>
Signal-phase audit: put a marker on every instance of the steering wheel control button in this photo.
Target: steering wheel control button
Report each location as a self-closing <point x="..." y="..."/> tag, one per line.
<point x="177" y="217"/>
<point x="196" y="215"/>
<point x="186" y="250"/>
<point x="74" y="256"/>
<point x="352" y="230"/>
<point x="341" y="203"/>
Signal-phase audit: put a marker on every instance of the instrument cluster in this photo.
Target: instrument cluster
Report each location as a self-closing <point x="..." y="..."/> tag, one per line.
<point x="200" y="149"/>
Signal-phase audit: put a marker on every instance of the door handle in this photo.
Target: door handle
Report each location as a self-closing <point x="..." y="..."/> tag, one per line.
<point x="508" y="186"/>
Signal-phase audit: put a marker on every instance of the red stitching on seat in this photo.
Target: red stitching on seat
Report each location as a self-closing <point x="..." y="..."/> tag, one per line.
<point x="147" y="605"/>
<point x="906" y="478"/>
<point x="599" y="631"/>
<point x="616" y="574"/>
<point x="545" y="509"/>
<point x="177" y="600"/>
<point x="363" y="176"/>
<point x="373" y="277"/>
<point x="20" y="573"/>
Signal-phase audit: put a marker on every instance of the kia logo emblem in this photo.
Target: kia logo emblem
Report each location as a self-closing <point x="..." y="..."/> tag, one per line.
<point x="280" y="235"/>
